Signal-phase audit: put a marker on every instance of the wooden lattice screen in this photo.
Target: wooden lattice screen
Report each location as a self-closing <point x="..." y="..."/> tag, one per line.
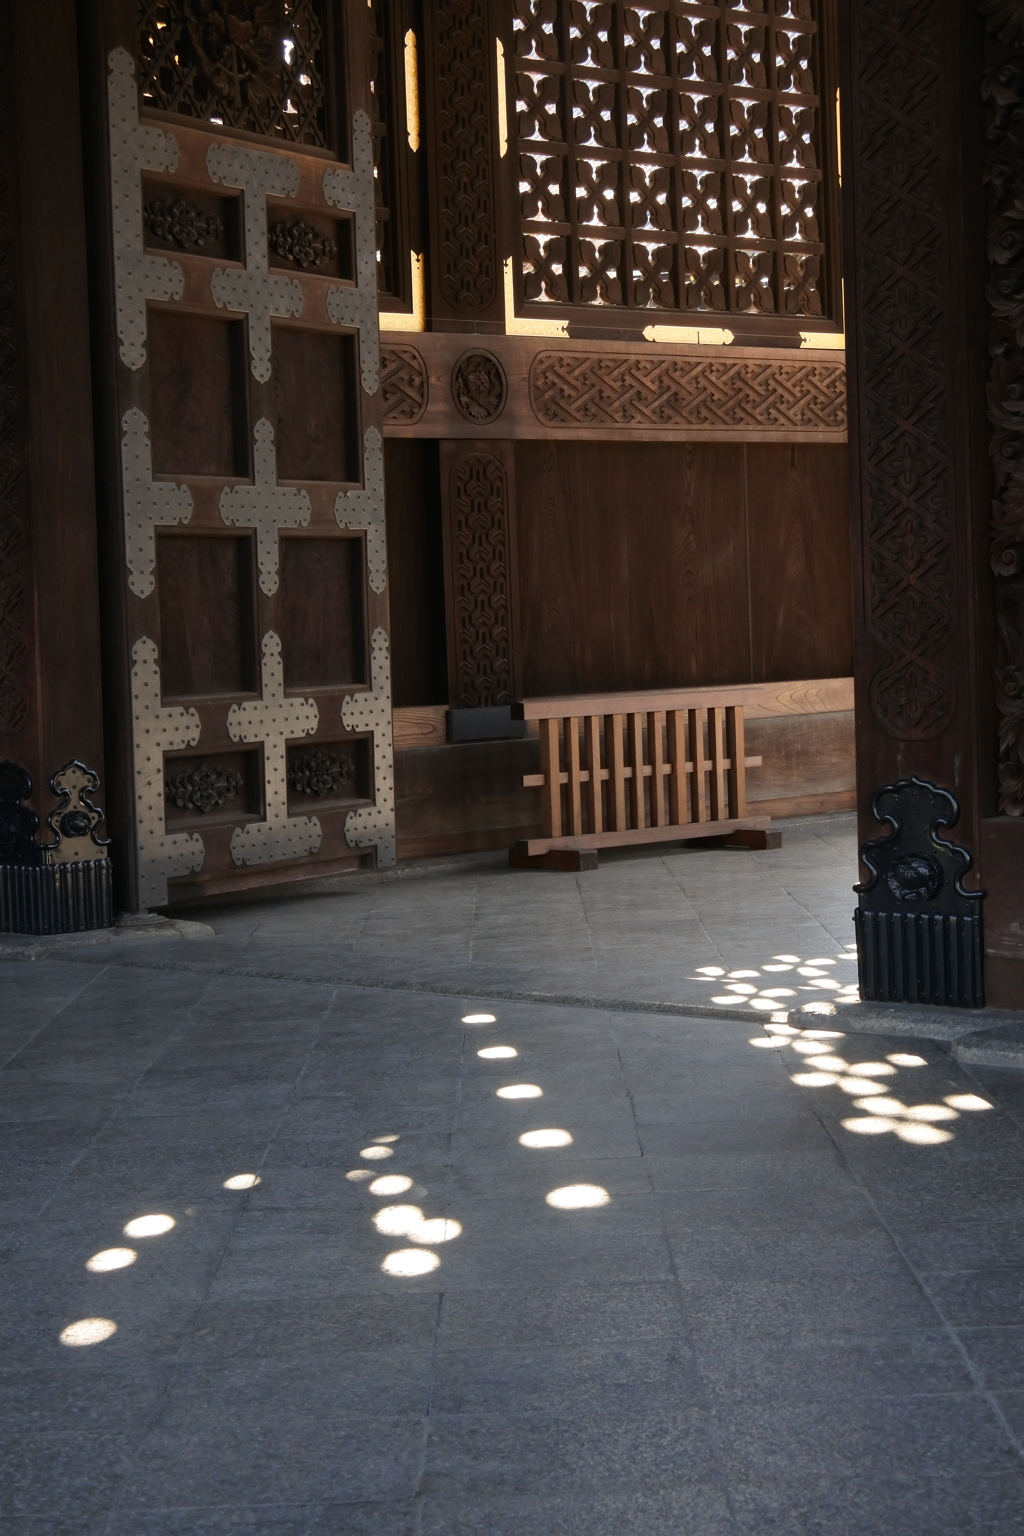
<point x="670" y="155"/>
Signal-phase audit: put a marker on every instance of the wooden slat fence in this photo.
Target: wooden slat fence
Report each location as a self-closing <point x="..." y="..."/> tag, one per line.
<point x="640" y="775"/>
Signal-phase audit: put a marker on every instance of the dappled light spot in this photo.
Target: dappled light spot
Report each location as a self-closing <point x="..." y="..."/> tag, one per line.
<point x="385" y="1140"/>
<point x="374" y="1154"/>
<point x="777" y="992"/>
<point x="922" y="1135"/>
<point x="438" y="1229"/>
<point x="827" y="1008"/>
<point x="871" y="1125"/>
<point x="550" y="1138"/>
<point x="110" y="1258"/>
<point x="88" y="1330"/>
<point x="149" y="1226"/>
<point x="710" y="970"/>
<point x="762" y="1004"/>
<point x="242" y="1181"/>
<point x="742" y="988"/>
<point x="823" y="1034"/>
<point x="356" y="1174"/>
<point x="790" y="959"/>
<point x="498" y="1052"/>
<point x="821" y="961"/>
<point x="787" y="967"/>
<point x="859" y="1085"/>
<point x="900" y="1059"/>
<point x="398" y="1220"/>
<point x="871" y="1069"/>
<point x="814" y="1079"/>
<point x="769" y="1042"/>
<point x="779" y="1027"/>
<point x="578" y="1197"/>
<point x="742" y="975"/>
<point x="726" y="1000"/>
<point x="520" y="1091"/>
<point x="967" y="1101"/>
<point x="479" y="1018"/>
<point x="410" y="1261"/>
<point x="831" y="1064"/>
<point x="390" y="1184"/>
<point x="931" y="1112"/>
<point x="810" y="1047"/>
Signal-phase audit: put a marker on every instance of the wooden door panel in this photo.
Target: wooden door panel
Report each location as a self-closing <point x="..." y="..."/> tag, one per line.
<point x="249" y="558"/>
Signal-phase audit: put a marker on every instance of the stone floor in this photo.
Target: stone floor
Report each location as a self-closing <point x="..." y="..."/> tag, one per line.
<point x="297" y="1237"/>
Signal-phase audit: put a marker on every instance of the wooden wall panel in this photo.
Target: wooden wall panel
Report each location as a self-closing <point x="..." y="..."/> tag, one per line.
<point x="320" y="617"/>
<point x="801" y="599"/>
<point x="415" y="573"/>
<point x="632" y="566"/>
<point x="200" y="417"/>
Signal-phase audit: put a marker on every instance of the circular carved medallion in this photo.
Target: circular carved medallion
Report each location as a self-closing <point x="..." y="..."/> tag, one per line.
<point x="914" y="877"/>
<point x="478" y="386"/>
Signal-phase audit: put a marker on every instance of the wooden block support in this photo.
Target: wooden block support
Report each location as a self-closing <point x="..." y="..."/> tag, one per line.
<point x="573" y="860"/>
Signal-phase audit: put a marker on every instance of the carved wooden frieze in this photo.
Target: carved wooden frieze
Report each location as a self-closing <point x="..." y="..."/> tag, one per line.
<point x="1003" y="90"/>
<point x="642" y="389"/>
<point x="466" y="256"/>
<point x="403" y="383"/>
<point x="910" y="597"/>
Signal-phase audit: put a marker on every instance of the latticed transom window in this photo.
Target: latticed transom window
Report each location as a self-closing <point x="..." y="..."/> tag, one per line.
<point x="669" y="154"/>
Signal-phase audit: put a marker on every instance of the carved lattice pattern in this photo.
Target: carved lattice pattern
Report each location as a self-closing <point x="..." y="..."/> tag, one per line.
<point x="670" y="154"/>
<point x="479" y="524"/>
<point x="465" y="193"/>
<point x="383" y="109"/>
<point x="252" y="64"/>
<point x="403" y="385"/>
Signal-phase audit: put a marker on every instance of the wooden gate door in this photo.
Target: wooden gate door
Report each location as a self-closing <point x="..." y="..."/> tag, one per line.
<point x="248" y="668"/>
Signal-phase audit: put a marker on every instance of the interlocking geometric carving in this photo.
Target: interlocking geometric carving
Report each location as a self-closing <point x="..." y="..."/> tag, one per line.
<point x="403" y="385"/>
<point x="1003" y="90"/>
<point x="255" y="291"/>
<point x="148" y="504"/>
<point x="374" y="825"/>
<point x="273" y="720"/>
<point x="669" y="157"/>
<point x="466" y="254"/>
<point x="910" y="597"/>
<point x="636" y="389"/>
<point x="154" y="732"/>
<point x="479" y="513"/>
<point x="138" y="277"/>
<point x="253" y="64"/>
<point x="13" y="610"/>
<point x="363" y="510"/>
<point x="265" y="505"/>
<point x="352" y="190"/>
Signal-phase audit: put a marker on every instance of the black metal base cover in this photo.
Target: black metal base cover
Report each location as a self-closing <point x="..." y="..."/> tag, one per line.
<point x="920" y="957"/>
<point x="56" y="898"/>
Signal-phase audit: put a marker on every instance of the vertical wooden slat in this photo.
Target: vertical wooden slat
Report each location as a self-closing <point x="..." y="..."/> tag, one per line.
<point x="716" y="745"/>
<point x="736" y="740"/>
<point x="613" y="752"/>
<point x="573" y="807"/>
<point x="551" y="799"/>
<point x="697" y="754"/>
<point x="678" y="797"/>
<point x="635" y="730"/>
<point x="656" y="753"/>
<point x="595" y="798"/>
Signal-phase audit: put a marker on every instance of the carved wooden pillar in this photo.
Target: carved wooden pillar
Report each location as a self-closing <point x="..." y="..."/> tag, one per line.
<point x="478" y="489"/>
<point x="916" y="351"/>
<point x="50" y="699"/>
